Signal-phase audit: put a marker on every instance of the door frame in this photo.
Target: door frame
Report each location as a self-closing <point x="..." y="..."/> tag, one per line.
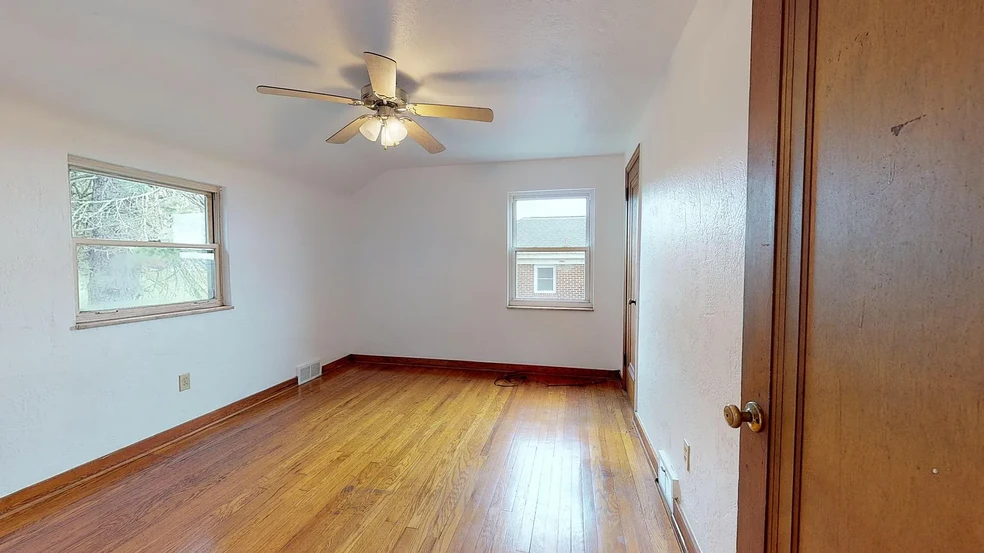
<point x="777" y="253"/>
<point x="627" y="340"/>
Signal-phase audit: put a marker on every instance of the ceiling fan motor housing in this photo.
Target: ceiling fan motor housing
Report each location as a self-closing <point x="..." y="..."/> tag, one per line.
<point x="374" y="101"/>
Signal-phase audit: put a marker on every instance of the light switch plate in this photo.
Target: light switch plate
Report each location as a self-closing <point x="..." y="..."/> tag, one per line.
<point x="686" y="455"/>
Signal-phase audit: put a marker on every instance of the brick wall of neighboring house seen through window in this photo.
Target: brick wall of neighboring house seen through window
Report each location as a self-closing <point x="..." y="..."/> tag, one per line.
<point x="569" y="282"/>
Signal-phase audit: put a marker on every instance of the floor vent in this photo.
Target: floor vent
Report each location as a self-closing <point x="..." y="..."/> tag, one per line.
<point x="306" y="373"/>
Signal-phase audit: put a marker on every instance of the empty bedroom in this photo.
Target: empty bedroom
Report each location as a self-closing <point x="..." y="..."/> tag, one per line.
<point x="518" y="276"/>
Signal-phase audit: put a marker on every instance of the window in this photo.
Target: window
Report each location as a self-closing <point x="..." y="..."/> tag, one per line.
<point x="545" y="279"/>
<point x="146" y="245"/>
<point x="551" y="238"/>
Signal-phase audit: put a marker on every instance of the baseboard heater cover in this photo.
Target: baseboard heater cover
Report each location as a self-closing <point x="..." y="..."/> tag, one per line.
<point x="669" y="484"/>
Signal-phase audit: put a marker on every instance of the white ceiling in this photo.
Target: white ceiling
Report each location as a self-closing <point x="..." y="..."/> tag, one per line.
<point x="565" y="77"/>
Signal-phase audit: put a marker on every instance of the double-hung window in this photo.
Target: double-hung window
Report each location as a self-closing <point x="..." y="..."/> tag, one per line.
<point x="551" y="238"/>
<point x="146" y="245"/>
<point x="546" y="279"/>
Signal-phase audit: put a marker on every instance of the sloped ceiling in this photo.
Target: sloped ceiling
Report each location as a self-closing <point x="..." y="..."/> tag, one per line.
<point x="565" y="78"/>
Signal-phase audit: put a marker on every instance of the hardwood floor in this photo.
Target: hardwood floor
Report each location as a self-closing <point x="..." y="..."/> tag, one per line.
<point x="379" y="458"/>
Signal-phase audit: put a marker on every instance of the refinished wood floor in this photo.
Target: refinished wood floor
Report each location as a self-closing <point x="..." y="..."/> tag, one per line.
<point x="378" y="458"/>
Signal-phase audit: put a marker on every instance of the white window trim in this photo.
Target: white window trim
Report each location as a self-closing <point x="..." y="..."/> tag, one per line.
<point x="512" y="301"/>
<point x="91" y="319"/>
<point x="553" y="279"/>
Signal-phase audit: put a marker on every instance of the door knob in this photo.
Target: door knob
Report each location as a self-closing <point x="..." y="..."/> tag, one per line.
<point x="752" y="414"/>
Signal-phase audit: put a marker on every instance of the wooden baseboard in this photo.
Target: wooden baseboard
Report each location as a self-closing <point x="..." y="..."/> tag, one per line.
<point x="336" y="365"/>
<point x="647" y="444"/>
<point x="60" y="483"/>
<point x="485" y="366"/>
<point x="683" y="532"/>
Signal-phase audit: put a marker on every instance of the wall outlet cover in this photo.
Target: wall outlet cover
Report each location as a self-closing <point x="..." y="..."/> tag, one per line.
<point x="686" y="455"/>
<point x="184" y="382"/>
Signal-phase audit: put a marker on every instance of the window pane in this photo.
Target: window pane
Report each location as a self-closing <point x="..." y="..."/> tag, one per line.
<point x="117" y="277"/>
<point x="551" y="223"/>
<point x="113" y="208"/>
<point x="567" y="280"/>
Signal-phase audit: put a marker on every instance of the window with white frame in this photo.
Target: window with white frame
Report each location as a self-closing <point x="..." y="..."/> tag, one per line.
<point x="551" y="238"/>
<point x="146" y="245"/>
<point x="545" y="279"/>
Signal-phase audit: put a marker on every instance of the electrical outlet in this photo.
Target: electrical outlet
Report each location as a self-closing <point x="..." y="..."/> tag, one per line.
<point x="184" y="382"/>
<point x="686" y="455"/>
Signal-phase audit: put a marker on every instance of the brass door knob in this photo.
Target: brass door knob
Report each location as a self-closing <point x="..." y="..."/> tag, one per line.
<point x="752" y="415"/>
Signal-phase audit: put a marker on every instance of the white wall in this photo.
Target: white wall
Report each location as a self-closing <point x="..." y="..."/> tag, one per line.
<point x="694" y="142"/>
<point x="432" y="261"/>
<point x="67" y="397"/>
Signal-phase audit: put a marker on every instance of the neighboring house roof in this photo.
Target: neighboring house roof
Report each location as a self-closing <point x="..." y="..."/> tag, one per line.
<point x="546" y="232"/>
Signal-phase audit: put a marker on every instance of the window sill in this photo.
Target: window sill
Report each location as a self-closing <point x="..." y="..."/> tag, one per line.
<point x="550" y="308"/>
<point x="141" y="318"/>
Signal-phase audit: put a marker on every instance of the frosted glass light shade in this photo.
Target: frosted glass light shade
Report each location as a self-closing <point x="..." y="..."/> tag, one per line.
<point x="370" y="129"/>
<point x="397" y="131"/>
<point x="393" y="132"/>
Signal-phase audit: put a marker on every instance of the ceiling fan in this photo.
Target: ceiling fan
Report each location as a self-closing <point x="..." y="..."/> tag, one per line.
<point x="391" y="122"/>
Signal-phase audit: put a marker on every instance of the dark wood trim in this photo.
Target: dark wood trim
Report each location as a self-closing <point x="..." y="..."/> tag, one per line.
<point x="633" y="160"/>
<point x="777" y="249"/>
<point x="571" y="372"/>
<point x="797" y="220"/>
<point x="624" y="372"/>
<point x="647" y="445"/>
<point x="60" y="483"/>
<point x="336" y="365"/>
<point x="684" y="533"/>
<point x="765" y="115"/>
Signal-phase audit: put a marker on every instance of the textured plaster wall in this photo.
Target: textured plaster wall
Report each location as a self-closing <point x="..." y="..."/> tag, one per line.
<point x="694" y="142"/>
<point x="431" y="266"/>
<point x="67" y="397"/>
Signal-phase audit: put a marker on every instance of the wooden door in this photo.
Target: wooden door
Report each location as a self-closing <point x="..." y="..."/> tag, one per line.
<point x="864" y="320"/>
<point x="631" y="334"/>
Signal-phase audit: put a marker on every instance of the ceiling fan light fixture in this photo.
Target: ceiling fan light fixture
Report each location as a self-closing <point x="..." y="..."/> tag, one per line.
<point x="370" y="129"/>
<point x="397" y="130"/>
<point x="393" y="132"/>
<point x="385" y="140"/>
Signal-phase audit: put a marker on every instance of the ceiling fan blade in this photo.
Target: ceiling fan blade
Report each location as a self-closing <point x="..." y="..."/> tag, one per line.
<point x="423" y="137"/>
<point x="277" y="91"/>
<point x="452" y="112"/>
<point x="382" y="74"/>
<point x="348" y="131"/>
